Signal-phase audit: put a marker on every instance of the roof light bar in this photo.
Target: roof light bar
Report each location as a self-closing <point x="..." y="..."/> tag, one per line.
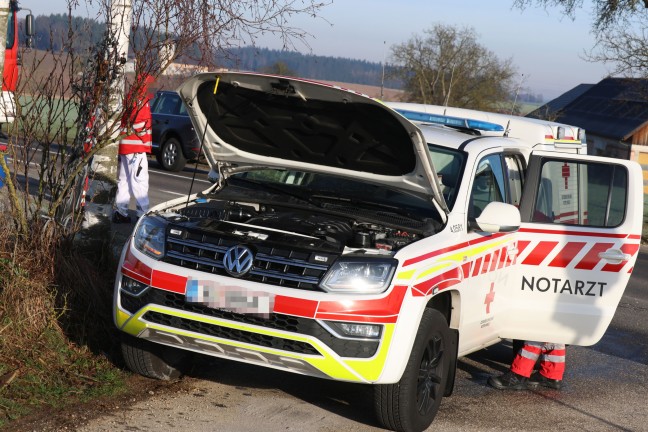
<point x="451" y="121"/>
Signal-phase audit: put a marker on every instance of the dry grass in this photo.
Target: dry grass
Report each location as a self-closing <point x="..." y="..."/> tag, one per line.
<point x="26" y="269"/>
<point x="54" y="323"/>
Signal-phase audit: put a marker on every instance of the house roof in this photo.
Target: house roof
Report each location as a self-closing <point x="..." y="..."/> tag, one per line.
<point x="557" y="104"/>
<point x="614" y="108"/>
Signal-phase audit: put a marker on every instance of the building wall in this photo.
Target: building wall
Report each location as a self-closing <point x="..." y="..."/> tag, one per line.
<point x="640" y="137"/>
<point x="640" y="154"/>
<point x="601" y="146"/>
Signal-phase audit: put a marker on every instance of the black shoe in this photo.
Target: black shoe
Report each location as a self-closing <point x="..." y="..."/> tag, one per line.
<point x="118" y="218"/>
<point x="539" y="380"/>
<point x="510" y="380"/>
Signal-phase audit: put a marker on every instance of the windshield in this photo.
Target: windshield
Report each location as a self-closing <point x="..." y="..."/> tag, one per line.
<point x="449" y="165"/>
<point x="335" y="193"/>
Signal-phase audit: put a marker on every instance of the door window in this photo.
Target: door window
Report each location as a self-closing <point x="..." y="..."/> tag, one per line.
<point x="580" y="193"/>
<point x="488" y="185"/>
<point x="167" y="104"/>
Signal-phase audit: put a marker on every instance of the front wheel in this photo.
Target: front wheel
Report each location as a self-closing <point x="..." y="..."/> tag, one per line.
<point x="152" y="360"/>
<point x="411" y="404"/>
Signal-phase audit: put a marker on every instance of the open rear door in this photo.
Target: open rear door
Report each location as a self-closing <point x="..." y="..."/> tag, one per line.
<point x="576" y="248"/>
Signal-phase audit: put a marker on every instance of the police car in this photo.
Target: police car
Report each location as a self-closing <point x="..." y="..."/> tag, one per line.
<point x="342" y="240"/>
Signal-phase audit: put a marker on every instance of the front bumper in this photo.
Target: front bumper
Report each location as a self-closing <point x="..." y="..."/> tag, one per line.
<point x="299" y="344"/>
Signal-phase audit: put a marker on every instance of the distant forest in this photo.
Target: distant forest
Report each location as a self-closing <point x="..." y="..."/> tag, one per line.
<point x="51" y="32"/>
<point x="310" y="66"/>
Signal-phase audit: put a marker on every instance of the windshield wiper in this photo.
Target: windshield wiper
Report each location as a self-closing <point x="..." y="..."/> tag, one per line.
<point x="356" y="201"/>
<point x="379" y="207"/>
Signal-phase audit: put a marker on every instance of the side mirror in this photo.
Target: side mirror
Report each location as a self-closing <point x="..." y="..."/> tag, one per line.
<point x="29" y="30"/>
<point x="498" y="217"/>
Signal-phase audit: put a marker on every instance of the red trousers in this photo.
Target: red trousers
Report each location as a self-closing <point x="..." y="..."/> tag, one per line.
<point x="552" y="359"/>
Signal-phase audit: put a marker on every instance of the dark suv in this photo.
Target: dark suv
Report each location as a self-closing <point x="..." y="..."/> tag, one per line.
<point x="174" y="138"/>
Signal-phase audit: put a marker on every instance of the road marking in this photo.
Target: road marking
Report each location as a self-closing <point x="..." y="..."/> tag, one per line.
<point x="30" y="163"/>
<point x="172" y="192"/>
<point x="178" y="176"/>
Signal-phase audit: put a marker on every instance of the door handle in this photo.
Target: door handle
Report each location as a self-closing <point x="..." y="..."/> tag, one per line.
<point x="614" y="256"/>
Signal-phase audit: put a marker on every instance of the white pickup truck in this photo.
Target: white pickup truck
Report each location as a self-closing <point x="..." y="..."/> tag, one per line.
<point x="343" y="241"/>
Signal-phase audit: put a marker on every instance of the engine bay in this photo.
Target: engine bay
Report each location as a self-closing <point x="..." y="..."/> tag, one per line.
<point x="333" y="227"/>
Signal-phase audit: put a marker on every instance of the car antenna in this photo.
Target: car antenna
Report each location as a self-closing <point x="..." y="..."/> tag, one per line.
<point x="508" y="128"/>
<point x="202" y="138"/>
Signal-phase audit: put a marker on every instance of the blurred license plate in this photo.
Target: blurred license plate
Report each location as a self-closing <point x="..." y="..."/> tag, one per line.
<point x="230" y="298"/>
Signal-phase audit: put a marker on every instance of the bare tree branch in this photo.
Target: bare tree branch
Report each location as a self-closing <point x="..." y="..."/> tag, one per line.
<point x="625" y="49"/>
<point x="606" y="12"/>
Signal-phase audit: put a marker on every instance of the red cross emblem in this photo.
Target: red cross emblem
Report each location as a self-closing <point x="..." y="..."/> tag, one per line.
<point x="490" y="297"/>
<point x="566" y="173"/>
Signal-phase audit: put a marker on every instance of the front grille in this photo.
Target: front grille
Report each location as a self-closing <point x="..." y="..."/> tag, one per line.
<point x="177" y="301"/>
<point x="288" y="323"/>
<point x="230" y="333"/>
<point x="273" y="266"/>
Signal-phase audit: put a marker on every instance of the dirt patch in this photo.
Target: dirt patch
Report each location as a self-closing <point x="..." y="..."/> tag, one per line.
<point x="50" y="419"/>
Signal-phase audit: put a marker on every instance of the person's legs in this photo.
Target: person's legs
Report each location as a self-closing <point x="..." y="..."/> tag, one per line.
<point x="552" y="361"/>
<point x="526" y="358"/>
<point x="122" y="199"/>
<point x="140" y="183"/>
<point x="521" y="368"/>
<point x="552" y="366"/>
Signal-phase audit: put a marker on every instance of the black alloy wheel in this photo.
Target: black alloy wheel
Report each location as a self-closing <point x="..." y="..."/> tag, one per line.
<point x="411" y="404"/>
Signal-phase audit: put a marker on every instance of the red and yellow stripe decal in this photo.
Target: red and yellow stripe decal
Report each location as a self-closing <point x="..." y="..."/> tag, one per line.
<point x="564" y="256"/>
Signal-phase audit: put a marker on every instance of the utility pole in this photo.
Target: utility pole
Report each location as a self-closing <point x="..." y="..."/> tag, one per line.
<point x="120" y="26"/>
<point x="104" y="163"/>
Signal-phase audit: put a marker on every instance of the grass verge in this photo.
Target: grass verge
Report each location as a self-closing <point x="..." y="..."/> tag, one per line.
<point x="56" y="331"/>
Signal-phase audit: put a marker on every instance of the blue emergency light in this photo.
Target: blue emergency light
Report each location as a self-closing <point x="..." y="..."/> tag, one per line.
<point x="451" y="121"/>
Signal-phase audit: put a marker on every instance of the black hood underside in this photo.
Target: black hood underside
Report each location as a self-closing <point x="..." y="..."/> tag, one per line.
<point x="352" y="136"/>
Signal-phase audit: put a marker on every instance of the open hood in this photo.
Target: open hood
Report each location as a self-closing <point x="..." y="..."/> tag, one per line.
<point x="249" y="120"/>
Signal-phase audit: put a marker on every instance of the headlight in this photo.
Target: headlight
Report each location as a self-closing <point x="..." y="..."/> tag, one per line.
<point x="150" y="237"/>
<point x="359" y="275"/>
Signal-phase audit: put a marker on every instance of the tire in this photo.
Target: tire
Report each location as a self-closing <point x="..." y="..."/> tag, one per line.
<point x="411" y="404"/>
<point x="152" y="360"/>
<point x="171" y="157"/>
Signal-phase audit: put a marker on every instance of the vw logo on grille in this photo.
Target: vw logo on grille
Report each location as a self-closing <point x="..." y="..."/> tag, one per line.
<point x="238" y="260"/>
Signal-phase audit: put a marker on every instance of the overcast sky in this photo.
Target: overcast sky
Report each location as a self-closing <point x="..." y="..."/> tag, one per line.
<point x="546" y="47"/>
